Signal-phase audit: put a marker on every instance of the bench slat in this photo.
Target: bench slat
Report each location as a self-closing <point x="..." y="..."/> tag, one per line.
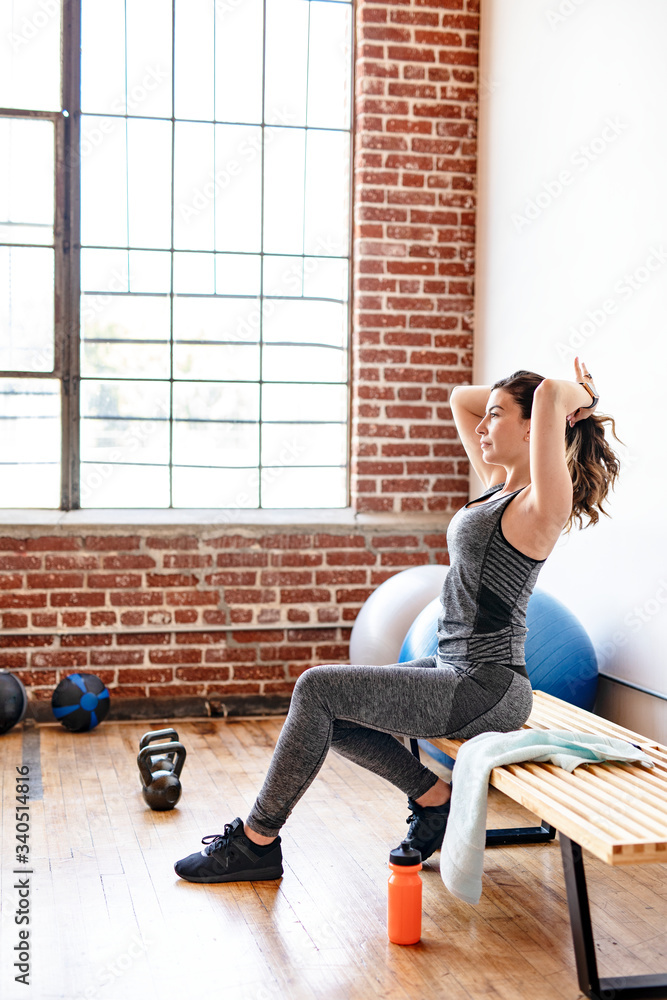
<point x="640" y="784"/>
<point x="651" y="814"/>
<point x="625" y="810"/>
<point x="554" y="714"/>
<point x="541" y="803"/>
<point x="587" y="804"/>
<point x="537" y="776"/>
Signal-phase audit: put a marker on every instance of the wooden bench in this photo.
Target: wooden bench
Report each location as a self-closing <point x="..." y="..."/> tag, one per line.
<point x="616" y="811"/>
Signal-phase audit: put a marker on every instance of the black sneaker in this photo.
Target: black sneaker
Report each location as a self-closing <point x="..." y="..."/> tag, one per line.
<point x="427" y="827"/>
<point x="232" y="857"/>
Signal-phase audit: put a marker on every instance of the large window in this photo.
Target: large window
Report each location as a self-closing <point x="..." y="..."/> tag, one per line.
<point x="194" y="352"/>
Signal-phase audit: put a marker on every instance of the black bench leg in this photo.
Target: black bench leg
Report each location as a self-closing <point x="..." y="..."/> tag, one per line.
<point x="521" y="835"/>
<point x="614" y="988"/>
<point x="580" y="916"/>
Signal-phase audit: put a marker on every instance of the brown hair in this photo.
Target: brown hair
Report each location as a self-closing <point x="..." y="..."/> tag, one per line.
<point x="592" y="463"/>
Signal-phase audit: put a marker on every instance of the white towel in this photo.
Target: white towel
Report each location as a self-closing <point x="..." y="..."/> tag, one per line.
<point x="462" y="856"/>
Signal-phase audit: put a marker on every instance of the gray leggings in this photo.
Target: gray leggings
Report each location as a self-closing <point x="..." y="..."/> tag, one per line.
<point x="354" y="709"/>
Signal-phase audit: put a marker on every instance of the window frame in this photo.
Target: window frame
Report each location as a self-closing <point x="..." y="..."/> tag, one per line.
<point x="62" y="244"/>
<point x="67" y="256"/>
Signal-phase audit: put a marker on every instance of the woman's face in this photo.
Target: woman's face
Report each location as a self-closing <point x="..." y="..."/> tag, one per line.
<point x="503" y="432"/>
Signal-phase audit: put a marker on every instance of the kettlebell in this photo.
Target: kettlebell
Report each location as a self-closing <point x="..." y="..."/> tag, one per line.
<point x="161" y="786"/>
<point x="159" y="763"/>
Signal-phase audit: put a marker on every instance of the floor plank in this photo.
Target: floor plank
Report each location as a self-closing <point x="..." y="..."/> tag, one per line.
<point x="112" y="921"/>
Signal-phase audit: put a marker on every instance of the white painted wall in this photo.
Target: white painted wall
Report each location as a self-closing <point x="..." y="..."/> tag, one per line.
<point x="572" y="258"/>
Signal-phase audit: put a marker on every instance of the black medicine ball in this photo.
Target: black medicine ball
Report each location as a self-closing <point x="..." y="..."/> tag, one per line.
<point x="13" y="701"/>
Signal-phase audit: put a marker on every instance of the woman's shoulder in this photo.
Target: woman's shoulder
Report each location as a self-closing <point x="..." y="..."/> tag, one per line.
<point x="525" y="529"/>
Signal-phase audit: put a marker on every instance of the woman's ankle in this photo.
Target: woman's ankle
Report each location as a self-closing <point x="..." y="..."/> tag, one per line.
<point x="257" y="838"/>
<point x="437" y="794"/>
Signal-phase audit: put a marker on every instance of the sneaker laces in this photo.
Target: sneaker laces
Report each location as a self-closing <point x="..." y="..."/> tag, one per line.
<point x="416" y="816"/>
<point x="428" y="815"/>
<point x="215" y="841"/>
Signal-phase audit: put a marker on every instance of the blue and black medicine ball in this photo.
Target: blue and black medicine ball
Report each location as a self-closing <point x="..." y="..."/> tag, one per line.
<point x="80" y="702"/>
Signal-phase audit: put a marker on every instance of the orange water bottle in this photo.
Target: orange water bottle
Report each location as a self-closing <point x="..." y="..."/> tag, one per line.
<point x="404" y="895"/>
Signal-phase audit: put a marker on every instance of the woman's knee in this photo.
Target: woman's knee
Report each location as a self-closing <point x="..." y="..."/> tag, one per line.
<point x="310" y="682"/>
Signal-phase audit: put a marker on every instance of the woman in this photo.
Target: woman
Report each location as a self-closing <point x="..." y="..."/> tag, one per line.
<point x="540" y="451"/>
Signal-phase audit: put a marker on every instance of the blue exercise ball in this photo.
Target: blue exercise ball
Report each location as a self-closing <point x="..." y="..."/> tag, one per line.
<point x="560" y="658"/>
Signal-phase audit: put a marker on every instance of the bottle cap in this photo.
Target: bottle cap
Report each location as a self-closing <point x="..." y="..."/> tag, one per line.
<point x="405" y="854"/>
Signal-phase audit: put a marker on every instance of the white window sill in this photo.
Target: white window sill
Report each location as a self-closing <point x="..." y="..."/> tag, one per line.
<point x="215" y="517"/>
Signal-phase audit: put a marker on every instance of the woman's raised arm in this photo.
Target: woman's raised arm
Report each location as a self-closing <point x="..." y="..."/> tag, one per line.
<point x="556" y="403"/>
<point x="468" y="403"/>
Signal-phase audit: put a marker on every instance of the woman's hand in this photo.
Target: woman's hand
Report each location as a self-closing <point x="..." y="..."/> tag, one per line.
<point x="581" y="374"/>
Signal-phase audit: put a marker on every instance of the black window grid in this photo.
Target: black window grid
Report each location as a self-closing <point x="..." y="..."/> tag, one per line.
<point x="67" y="248"/>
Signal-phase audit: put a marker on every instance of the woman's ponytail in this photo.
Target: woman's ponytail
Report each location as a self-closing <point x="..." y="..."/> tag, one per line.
<point x="593" y="466"/>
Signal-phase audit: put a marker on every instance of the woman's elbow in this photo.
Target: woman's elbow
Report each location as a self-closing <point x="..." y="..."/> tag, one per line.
<point x="548" y="393"/>
<point x="548" y="387"/>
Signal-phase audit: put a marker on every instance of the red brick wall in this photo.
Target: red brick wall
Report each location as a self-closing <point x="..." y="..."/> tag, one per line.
<point x="213" y="619"/>
<point x="415" y="169"/>
<point x="199" y="620"/>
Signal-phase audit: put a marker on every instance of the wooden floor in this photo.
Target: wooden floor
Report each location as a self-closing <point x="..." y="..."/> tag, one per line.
<point x="111" y="920"/>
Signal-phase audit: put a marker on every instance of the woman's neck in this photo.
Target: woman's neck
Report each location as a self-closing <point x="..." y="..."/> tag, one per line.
<point x="516" y="479"/>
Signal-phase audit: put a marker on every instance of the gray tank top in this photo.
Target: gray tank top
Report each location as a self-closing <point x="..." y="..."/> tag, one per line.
<point x="485" y="593"/>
